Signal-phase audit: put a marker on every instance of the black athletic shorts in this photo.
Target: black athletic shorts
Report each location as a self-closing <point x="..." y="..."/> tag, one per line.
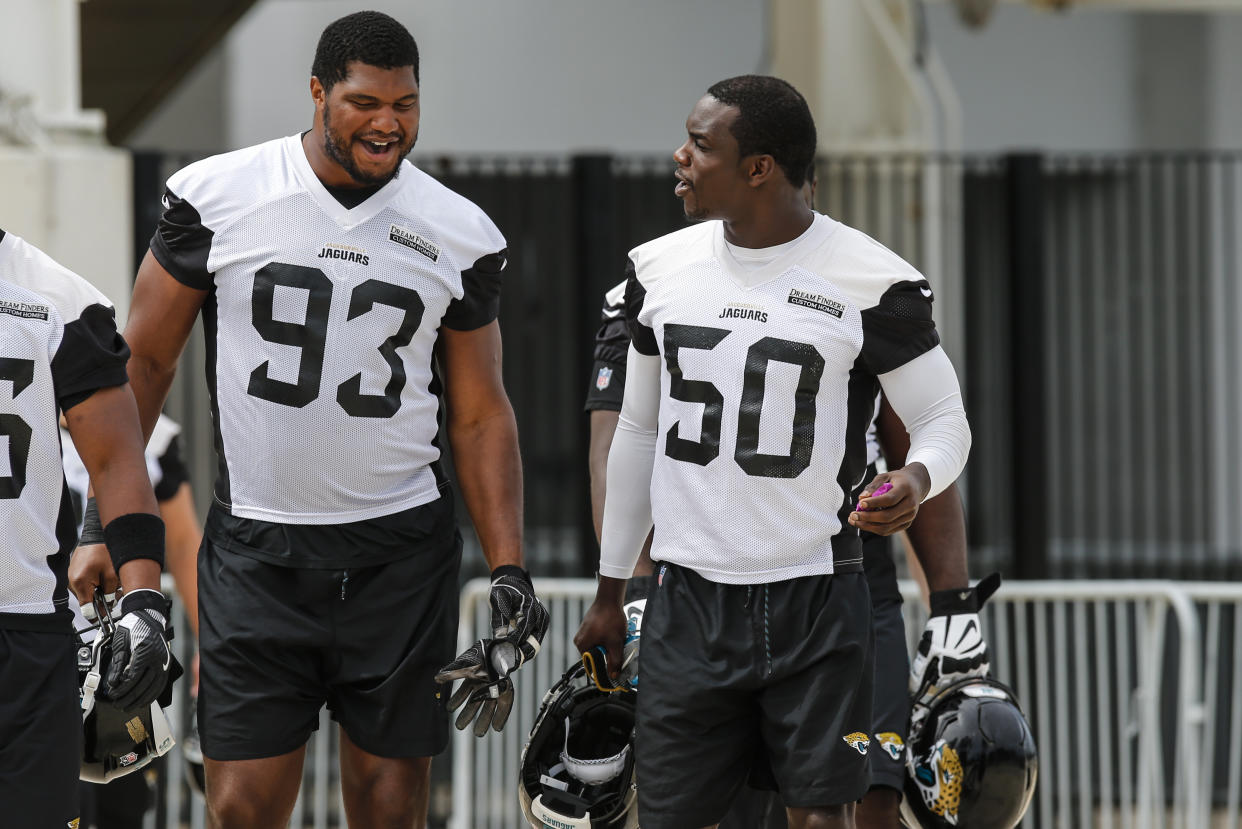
<point x="891" y="706"/>
<point x="277" y="643"/>
<point x="734" y="673"/>
<point x="40" y="729"/>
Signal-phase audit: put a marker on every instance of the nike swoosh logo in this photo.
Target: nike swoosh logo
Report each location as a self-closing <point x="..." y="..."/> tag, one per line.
<point x="926" y="292"/>
<point x="971" y="627"/>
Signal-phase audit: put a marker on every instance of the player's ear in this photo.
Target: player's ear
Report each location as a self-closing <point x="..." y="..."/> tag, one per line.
<point x="318" y="94"/>
<point x="760" y="169"/>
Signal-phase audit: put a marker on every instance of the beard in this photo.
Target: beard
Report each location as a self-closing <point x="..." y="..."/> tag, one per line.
<point x="339" y="148"/>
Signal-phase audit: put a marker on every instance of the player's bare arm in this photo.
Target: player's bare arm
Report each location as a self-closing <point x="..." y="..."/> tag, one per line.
<point x="603" y="427"/>
<point x="161" y="316"/>
<point x="938" y="532"/>
<point x="483" y="433"/>
<point x="106" y="433"/>
<point x="183" y="536"/>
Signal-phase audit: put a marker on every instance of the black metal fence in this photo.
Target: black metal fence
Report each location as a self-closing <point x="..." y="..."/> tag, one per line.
<point x="1088" y="303"/>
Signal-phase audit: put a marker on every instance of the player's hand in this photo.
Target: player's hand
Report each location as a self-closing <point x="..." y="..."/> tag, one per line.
<point x="891" y="501"/>
<point x="90" y="568"/>
<point x="518" y="616"/>
<point x="140" y="655"/>
<point x="952" y="647"/>
<point x="485" y="695"/>
<point x="604" y="626"/>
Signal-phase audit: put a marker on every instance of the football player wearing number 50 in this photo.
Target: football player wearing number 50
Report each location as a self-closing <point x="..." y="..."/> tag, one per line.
<point x="759" y="339"/>
<point x="345" y="294"/>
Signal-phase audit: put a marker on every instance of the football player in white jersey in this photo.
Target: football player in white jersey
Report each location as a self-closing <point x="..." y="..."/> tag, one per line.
<point x="760" y="338"/>
<point x="939" y="544"/>
<point x="342" y="290"/>
<point x="60" y="351"/>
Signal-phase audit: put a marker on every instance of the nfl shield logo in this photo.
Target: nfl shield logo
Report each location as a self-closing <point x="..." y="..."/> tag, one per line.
<point x="604" y="378"/>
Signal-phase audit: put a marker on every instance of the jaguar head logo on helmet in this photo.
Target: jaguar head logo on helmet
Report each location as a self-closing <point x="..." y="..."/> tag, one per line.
<point x="972" y="761"/>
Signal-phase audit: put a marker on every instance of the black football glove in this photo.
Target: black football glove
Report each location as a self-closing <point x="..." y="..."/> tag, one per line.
<point x="485" y="695"/>
<point x="519" y="623"/>
<point x="952" y="647"/>
<point x="517" y="614"/>
<point x="139" y="669"/>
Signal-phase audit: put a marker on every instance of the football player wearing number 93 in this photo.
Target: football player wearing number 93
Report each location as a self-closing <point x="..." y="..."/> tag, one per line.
<point x="760" y="337"/>
<point x="345" y="294"/>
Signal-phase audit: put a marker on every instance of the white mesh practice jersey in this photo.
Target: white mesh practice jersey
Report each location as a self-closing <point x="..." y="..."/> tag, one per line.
<point x="58" y="344"/>
<point x="768" y="391"/>
<point x="321" y="325"/>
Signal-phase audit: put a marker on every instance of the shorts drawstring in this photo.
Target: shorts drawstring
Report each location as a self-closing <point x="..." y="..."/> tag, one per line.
<point x="767" y="635"/>
<point x="767" y="624"/>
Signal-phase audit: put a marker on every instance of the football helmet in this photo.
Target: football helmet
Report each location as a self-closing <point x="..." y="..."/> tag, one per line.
<point x="115" y="742"/>
<point x="972" y="764"/>
<point x="578" y="764"/>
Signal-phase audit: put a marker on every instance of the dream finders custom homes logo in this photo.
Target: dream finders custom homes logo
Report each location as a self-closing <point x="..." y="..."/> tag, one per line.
<point x="816" y="302"/>
<point x="415" y="242"/>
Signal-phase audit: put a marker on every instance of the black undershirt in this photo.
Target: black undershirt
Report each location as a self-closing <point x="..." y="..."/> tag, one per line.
<point x="351" y="197"/>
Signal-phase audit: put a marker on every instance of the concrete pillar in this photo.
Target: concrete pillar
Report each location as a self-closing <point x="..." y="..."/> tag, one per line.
<point x="852" y="60"/>
<point x="61" y="188"/>
<point x="40" y="60"/>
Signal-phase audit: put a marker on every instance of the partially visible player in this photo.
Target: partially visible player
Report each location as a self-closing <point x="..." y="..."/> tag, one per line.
<point x="759" y="341"/>
<point x="60" y="352"/>
<point x="346" y="295"/>
<point x="121" y="803"/>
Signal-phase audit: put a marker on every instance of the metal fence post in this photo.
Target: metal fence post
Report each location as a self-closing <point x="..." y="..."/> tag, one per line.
<point x="1024" y="182"/>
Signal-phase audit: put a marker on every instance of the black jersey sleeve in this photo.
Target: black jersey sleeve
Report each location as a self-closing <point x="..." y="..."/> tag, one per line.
<point x="92" y="355"/>
<point x="480" y="301"/>
<point x="172" y="471"/>
<point x="642" y="336"/>
<point x="612" y="346"/>
<point x="181" y="243"/>
<point x="612" y="340"/>
<point x="899" y="327"/>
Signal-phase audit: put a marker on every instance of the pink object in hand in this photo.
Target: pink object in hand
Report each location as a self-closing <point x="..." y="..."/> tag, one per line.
<point x="883" y="488"/>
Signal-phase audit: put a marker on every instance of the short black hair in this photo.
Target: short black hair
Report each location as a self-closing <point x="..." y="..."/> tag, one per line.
<point x="773" y="119"/>
<point x="372" y="38"/>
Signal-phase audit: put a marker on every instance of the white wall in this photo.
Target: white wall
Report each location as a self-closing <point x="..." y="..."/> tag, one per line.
<point x="1035" y="79"/>
<point x="536" y="76"/>
<point x="1225" y="96"/>
<point x="1094" y="80"/>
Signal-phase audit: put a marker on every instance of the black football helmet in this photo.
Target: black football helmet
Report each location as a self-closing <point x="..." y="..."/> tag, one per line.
<point x="973" y="762"/>
<point x="578" y="764"/>
<point x="115" y="742"/>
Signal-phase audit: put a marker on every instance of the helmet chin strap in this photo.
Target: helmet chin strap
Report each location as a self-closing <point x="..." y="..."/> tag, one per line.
<point x="103" y="618"/>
